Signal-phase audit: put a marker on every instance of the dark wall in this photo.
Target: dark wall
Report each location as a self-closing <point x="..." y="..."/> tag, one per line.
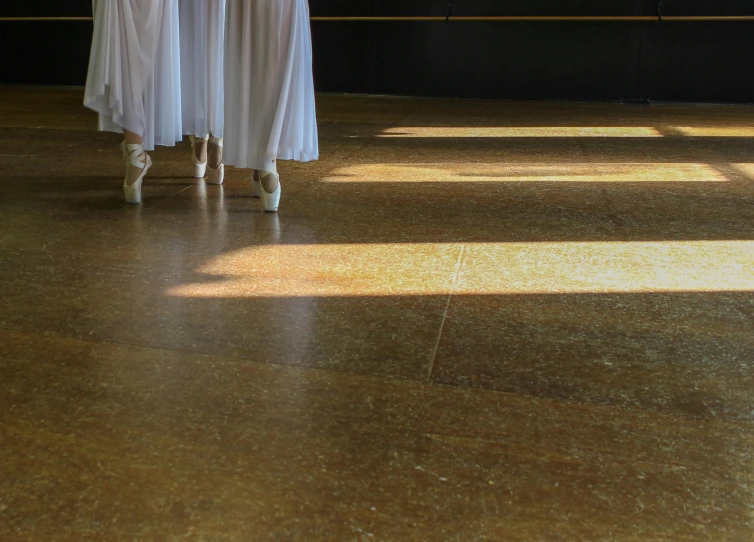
<point x="709" y="61"/>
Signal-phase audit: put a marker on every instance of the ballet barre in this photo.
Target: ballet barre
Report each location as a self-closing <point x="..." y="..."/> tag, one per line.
<point x="480" y="18"/>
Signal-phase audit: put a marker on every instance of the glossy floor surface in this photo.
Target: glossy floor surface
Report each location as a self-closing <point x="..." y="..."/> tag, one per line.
<point x="471" y="320"/>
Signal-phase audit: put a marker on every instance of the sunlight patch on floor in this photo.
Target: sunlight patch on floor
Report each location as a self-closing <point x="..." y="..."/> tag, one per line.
<point x="746" y="169"/>
<point x="715" y="131"/>
<point x="384" y="269"/>
<point x="528" y="172"/>
<point x="520" y="131"/>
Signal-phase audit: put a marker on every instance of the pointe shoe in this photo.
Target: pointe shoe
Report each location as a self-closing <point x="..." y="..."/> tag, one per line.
<point x="216" y="176"/>
<point x="256" y="185"/>
<point x="200" y="168"/>
<point x="270" y="202"/>
<point x="135" y="156"/>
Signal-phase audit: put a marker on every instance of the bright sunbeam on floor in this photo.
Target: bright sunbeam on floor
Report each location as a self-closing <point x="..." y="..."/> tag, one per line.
<point x="715" y="131"/>
<point x="746" y="169"/>
<point x="528" y="172"/>
<point x="567" y="131"/>
<point x="521" y="131"/>
<point x="345" y="270"/>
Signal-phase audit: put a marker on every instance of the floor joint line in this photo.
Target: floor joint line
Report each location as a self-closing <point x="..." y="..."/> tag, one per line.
<point x="433" y="358"/>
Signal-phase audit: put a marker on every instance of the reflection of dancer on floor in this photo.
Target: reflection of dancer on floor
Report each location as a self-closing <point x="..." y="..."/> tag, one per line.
<point x="269" y="90"/>
<point x="202" y="43"/>
<point x="133" y="79"/>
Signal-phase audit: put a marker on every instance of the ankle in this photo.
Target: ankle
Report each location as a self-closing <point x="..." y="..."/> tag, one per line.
<point x="132" y="138"/>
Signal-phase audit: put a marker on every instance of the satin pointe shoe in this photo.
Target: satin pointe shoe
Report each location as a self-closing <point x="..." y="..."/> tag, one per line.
<point x="135" y="157"/>
<point x="200" y="168"/>
<point x="270" y="202"/>
<point x="216" y="176"/>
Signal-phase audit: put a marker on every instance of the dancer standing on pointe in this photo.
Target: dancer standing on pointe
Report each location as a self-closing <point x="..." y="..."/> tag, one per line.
<point x="202" y="52"/>
<point x="134" y="79"/>
<point x="269" y="90"/>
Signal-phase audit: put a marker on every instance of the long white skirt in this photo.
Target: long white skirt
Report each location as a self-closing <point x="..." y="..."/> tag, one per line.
<point x="134" y="69"/>
<point x="202" y="55"/>
<point x="269" y="87"/>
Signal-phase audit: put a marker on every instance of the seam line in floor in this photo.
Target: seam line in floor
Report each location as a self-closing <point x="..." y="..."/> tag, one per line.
<point x="433" y="357"/>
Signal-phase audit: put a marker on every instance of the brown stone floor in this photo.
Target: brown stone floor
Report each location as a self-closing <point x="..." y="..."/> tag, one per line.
<point x="471" y="320"/>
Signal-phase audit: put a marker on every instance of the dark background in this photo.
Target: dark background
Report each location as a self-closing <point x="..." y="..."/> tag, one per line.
<point x="669" y="61"/>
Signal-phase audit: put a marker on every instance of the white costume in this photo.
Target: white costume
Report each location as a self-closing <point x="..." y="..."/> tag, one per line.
<point x="134" y="69"/>
<point x="269" y="88"/>
<point x="202" y="51"/>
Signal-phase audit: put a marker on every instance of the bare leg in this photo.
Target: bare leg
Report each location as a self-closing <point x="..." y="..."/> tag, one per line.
<point x="132" y="138"/>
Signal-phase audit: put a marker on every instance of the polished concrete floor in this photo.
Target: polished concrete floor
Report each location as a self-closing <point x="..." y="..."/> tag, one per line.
<point x="471" y="320"/>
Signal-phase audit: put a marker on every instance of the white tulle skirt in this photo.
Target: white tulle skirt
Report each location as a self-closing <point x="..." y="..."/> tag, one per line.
<point x="269" y="88"/>
<point x="202" y="53"/>
<point x="134" y="69"/>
